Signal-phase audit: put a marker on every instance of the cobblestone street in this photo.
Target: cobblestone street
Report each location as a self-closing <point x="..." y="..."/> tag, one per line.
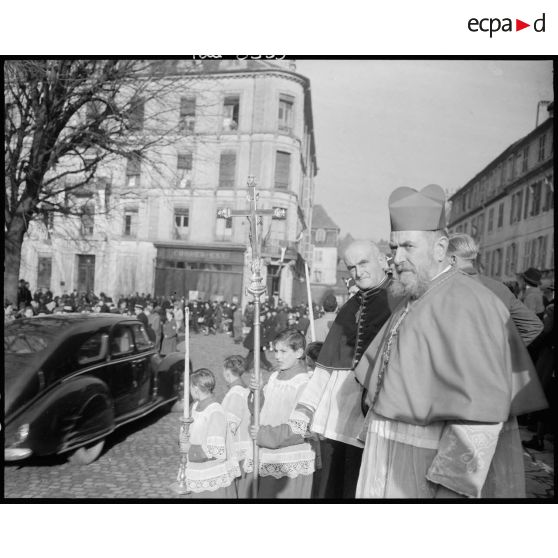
<point x="141" y="460"/>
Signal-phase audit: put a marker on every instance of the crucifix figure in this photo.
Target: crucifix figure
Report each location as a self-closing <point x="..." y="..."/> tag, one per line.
<point x="256" y="289"/>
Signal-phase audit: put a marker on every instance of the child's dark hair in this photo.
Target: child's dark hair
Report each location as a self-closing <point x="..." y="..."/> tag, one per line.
<point x="236" y="364"/>
<point x="203" y="379"/>
<point x="292" y="338"/>
<point x="313" y="350"/>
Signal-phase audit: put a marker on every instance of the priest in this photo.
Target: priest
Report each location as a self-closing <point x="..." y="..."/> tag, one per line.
<point x="446" y="376"/>
<point x="332" y="402"/>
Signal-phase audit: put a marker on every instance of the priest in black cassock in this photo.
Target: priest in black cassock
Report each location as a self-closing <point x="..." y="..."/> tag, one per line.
<point x="331" y="404"/>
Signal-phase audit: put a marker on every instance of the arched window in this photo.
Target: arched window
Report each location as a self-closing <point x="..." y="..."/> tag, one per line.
<point x="320" y="235"/>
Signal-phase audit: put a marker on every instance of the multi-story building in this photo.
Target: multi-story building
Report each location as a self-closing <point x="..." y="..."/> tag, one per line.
<point x="233" y="119"/>
<point x="325" y="236"/>
<point x="508" y="207"/>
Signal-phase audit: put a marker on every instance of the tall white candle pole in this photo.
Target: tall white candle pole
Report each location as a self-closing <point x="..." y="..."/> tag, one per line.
<point x="310" y="307"/>
<point x="181" y="486"/>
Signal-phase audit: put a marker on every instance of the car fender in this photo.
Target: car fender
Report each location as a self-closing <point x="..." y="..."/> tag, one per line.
<point x="76" y="410"/>
<point x="170" y="360"/>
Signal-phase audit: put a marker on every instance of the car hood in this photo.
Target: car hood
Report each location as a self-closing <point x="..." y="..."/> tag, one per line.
<point x="21" y="381"/>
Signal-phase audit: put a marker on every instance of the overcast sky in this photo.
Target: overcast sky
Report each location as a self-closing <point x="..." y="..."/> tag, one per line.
<point x="380" y="124"/>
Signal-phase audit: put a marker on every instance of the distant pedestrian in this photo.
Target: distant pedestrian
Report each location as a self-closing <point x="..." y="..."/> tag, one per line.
<point x="170" y="334"/>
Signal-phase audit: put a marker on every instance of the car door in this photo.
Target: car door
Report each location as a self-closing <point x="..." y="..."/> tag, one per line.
<point x="123" y="370"/>
<point x="142" y="364"/>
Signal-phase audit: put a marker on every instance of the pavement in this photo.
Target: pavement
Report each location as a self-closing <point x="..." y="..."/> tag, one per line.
<point x="141" y="460"/>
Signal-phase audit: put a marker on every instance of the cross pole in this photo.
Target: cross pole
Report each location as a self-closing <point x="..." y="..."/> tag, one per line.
<point x="256" y="289"/>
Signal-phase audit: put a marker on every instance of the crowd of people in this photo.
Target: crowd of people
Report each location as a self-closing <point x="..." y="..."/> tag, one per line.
<point x="164" y="316"/>
<point x="412" y="389"/>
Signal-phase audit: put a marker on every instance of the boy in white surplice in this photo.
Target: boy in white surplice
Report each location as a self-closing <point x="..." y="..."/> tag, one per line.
<point x="212" y="465"/>
<point x="287" y="460"/>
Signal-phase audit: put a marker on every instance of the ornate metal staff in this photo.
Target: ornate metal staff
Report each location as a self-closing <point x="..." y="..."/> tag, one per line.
<point x="256" y="289"/>
<point x="181" y="486"/>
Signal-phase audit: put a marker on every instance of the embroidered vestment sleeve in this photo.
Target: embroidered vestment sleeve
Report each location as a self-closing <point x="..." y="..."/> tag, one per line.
<point x="464" y="457"/>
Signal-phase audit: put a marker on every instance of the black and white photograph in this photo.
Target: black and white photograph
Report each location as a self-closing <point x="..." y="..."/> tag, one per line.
<point x="267" y="277"/>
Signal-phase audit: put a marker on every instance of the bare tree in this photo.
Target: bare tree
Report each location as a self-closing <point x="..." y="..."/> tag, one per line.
<point x="65" y="120"/>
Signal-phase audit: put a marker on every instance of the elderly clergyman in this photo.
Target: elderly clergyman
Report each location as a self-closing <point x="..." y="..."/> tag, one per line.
<point x="331" y="404"/>
<point x="446" y="376"/>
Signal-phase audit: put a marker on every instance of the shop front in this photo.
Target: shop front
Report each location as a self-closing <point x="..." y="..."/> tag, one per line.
<point x="204" y="271"/>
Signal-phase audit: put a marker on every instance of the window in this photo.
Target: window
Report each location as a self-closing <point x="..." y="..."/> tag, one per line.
<point x="548" y="194"/>
<point x="231" y="111"/>
<point x="491" y="219"/>
<point x="501" y="215"/>
<point x="227" y="170"/>
<point x="511" y="259"/>
<point x="223" y="229"/>
<point x="516" y="201"/>
<point x="184" y="170"/>
<point x="133" y="170"/>
<point x="320" y="235"/>
<point x="527" y="199"/>
<point x="541" y="250"/>
<point x="44" y="272"/>
<point x="526" y="254"/>
<point x="480" y="225"/>
<point x="282" y="170"/>
<point x="87" y="219"/>
<point x="122" y="341"/>
<point x="497" y="263"/>
<point x="93" y="349"/>
<point x="131" y="222"/>
<point x="317" y="276"/>
<point x="534" y="253"/>
<point x="525" y="164"/>
<point x="181" y="223"/>
<point x="187" y="116"/>
<point x="279" y="227"/>
<point x="141" y="338"/>
<point x="136" y="114"/>
<point x="542" y="142"/>
<point x="286" y="103"/>
<point x="536" y="191"/>
<point x="318" y="256"/>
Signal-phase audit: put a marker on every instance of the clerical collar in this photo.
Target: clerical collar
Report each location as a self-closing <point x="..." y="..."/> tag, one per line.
<point x="237" y="382"/>
<point x="366" y="293"/>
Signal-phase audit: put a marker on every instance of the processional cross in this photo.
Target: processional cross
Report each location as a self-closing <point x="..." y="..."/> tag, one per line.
<point x="256" y="289"/>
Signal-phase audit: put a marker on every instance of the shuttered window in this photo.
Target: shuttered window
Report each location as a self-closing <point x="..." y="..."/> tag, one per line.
<point x="227" y="168"/>
<point x="282" y="170"/>
<point x="137" y="114"/>
<point x="187" y="116"/>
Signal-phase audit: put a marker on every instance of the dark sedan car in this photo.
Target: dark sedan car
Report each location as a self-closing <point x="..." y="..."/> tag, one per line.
<point x="71" y="379"/>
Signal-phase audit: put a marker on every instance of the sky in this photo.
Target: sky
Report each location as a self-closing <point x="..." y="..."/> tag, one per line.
<point x="381" y="124"/>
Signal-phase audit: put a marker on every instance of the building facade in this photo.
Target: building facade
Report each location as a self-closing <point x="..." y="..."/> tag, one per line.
<point x="509" y="207"/>
<point x="231" y="119"/>
<point x="325" y="238"/>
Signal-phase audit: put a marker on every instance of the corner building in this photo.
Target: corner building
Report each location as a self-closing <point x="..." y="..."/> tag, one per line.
<point x="508" y="207"/>
<point x="231" y="119"/>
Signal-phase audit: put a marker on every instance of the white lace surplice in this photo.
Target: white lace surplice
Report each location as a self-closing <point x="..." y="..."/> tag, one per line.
<point x="235" y="405"/>
<point x="209" y="430"/>
<point x="281" y="397"/>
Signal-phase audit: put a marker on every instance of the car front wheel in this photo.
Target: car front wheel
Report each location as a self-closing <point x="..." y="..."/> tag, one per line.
<point x="87" y="454"/>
